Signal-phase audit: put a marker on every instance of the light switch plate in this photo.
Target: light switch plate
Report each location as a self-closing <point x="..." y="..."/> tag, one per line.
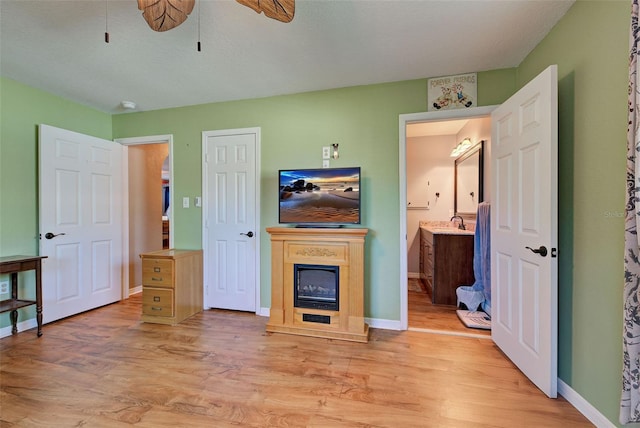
<point x="185" y="202"/>
<point x="326" y="152"/>
<point x="197" y="201"/>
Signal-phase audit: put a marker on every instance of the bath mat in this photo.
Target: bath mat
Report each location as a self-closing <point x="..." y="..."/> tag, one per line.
<point x="475" y="319"/>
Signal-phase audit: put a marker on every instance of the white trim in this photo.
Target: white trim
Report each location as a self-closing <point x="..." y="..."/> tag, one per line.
<point x="22" y="326"/>
<point x="149" y="139"/>
<point x="450" y="333"/>
<point x="384" y="324"/>
<point x="583" y="406"/>
<point x="124" y="275"/>
<point x="132" y="141"/>
<point x="257" y="235"/>
<point x="403" y="120"/>
<point x="264" y="312"/>
<point x="135" y="290"/>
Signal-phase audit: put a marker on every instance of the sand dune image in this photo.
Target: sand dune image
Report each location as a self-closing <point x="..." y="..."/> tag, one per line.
<point x="325" y="206"/>
<point x="314" y="196"/>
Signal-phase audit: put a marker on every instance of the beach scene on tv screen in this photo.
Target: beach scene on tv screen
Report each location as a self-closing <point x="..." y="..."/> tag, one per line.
<point x="320" y="196"/>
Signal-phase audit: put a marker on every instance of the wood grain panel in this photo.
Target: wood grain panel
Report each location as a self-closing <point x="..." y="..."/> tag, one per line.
<point x="329" y="247"/>
<point x="104" y="368"/>
<point x="157" y="272"/>
<point x="157" y="302"/>
<point x="184" y="269"/>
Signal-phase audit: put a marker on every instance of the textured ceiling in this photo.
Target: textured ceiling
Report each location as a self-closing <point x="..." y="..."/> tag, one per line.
<point x="58" y="46"/>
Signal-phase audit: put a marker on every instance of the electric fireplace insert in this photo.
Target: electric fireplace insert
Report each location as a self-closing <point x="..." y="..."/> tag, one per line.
<point x="316" y="286"/>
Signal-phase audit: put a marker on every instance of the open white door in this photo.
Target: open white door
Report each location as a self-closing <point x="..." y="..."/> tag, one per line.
<point x="230" y="218"/>
<point x="524" y="286"/>
<point x="80" y="219"/>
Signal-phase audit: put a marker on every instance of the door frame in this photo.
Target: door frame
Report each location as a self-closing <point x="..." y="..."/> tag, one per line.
<point x="132" y="141"/>
<point x="404" y="120"/>
<point x="258" y="235"/>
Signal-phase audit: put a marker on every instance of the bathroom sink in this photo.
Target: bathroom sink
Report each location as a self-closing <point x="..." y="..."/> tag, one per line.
<point x="449" y="230"/>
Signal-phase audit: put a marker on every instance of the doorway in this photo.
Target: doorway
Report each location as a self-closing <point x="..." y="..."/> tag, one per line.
<point x="425" y="203"/>
<point x="148" y="198"/>
<point x="432" y="187"/>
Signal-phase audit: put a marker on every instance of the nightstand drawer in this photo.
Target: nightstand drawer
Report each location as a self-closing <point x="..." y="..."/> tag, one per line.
<point x="157" y="272"/>
<point x="157" y="302"/>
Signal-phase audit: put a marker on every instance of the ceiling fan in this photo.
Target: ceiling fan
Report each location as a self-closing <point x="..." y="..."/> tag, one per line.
<point x="163" y="15"/>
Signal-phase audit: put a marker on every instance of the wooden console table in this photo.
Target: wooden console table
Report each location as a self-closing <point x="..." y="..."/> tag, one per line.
<point x="343" y="248"/>
<point x="13" y="265"/>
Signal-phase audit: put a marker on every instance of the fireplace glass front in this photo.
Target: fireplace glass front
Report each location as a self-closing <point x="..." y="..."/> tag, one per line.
<point x="316" y="286"/>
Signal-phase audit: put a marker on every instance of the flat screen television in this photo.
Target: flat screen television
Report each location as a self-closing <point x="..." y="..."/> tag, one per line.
<point x="319" y="197"/>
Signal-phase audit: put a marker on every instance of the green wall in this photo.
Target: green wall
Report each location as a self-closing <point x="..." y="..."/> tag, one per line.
<point x="592" y="101"/>
<point x="22" y="109"/>
<point x="363" y="120"/>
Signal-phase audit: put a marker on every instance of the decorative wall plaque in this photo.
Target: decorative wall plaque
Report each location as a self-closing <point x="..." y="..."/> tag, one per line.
<point x="452" y="92"/>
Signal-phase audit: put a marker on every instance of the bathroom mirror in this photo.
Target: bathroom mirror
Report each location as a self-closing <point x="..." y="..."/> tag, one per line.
<point x="468" y="182"/>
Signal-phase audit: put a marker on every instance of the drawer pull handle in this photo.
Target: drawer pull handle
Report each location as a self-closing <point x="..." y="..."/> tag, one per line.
<point x="156" y="298"/>
<point x="156" y="269"/>
<point x="156" y="308"/>
<point x="155" y="278"/>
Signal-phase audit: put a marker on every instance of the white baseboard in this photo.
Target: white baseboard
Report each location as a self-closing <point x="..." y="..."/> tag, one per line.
<point x="135" y="290"/>
<point x="263" y="312"/>
<point x="22" y="326"/>
<point x="383" y="324"/>
<point x="583" y="406"/>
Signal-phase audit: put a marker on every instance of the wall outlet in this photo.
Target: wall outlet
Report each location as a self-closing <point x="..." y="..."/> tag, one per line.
<point x="325" y="163"/>
<point x="326" y="152"/>
<point x="4" y="287"/>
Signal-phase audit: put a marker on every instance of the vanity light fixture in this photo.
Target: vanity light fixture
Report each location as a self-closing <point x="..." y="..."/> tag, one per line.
<point x="462" y="147"/>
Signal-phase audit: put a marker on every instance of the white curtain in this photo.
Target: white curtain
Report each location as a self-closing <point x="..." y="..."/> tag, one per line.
<point x="630" y="400"/>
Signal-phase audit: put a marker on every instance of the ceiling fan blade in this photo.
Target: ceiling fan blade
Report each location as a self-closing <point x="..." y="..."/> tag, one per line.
<point x="163" y="15"/>
<point x="280" y="10"/>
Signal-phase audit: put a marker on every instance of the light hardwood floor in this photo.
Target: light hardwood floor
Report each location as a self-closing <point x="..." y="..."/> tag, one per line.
<point x="105" y="368"/>
<point x="423" y="315"/>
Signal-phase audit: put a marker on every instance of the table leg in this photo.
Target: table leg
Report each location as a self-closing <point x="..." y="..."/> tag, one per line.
<point x="14" y="321"/>
<point x="14" y="285"/>
<point x="39" y="296"/>
<point x="14" y="295"/>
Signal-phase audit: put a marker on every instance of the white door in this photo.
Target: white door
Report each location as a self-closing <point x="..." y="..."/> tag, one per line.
<point x="524" y="284"/>
<point x="80" y="219"/>
<point x="230" y="218"/>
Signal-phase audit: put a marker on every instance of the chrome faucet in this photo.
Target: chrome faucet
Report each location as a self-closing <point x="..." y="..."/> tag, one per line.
<point x="461" y="225"/>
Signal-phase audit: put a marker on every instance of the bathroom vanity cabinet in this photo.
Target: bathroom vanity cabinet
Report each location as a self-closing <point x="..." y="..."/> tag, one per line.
<point x="446" y="262"/>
